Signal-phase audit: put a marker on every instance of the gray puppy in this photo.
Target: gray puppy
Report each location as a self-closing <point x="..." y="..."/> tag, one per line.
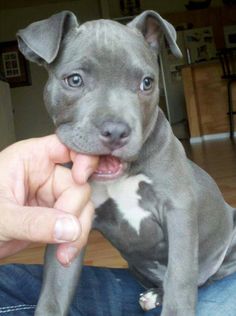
<point x="163" y="213"/>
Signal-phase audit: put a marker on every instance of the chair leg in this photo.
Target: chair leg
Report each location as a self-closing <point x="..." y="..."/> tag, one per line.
<point x="230" y="107"/>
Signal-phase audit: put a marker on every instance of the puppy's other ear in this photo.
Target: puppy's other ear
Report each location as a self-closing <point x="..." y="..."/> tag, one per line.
<point x="40" y="41"/>
<point x="153" y="27"/>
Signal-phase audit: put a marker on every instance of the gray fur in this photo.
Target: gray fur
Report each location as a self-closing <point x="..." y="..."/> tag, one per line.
<point x="183" y="232"/>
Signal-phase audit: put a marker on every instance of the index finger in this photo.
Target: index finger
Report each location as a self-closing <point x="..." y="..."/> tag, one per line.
<point x="83" y="166"/>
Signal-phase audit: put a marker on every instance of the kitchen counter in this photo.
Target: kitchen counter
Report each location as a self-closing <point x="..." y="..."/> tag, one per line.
<point x="196" y="64"/>
<point x="206" y="99"/>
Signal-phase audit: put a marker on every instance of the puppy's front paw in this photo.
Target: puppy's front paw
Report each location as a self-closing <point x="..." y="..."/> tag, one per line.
<point x="150" y="299"/>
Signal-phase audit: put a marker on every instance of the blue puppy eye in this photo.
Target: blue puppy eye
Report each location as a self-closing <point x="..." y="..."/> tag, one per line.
<point x="74" y="80"/>
<point x="146" y="84"/>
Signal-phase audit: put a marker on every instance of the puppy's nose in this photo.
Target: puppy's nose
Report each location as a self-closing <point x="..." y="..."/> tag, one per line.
<point x="114" y="134"/>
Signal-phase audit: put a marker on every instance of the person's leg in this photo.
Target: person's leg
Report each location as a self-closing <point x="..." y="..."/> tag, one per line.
<point x="103" y="292"/>
<point x="19" y="289"/>
<point x="218" y="298"/>
<point x="100" y="292"/>
<point x="107" y="292"/>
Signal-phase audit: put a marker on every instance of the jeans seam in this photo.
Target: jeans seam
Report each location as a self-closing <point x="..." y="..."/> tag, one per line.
<point x="8" y="309"/>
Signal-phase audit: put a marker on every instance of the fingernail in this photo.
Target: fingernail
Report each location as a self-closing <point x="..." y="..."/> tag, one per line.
<point x="70" y="254"/>
<point x="66" y="229"/>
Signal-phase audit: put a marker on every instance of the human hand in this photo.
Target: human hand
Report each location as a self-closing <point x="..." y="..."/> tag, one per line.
<point x="41" y="201"/>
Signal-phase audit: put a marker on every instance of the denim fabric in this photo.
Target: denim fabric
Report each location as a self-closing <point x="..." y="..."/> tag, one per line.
<point x="103" y="292"/>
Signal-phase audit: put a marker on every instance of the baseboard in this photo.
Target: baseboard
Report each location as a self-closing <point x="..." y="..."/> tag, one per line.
<point x="194" y="140"/>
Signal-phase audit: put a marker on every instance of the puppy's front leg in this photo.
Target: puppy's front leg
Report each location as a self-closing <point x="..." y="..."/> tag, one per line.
<point x="59" y="284"/>
<point x="180" y="284"/>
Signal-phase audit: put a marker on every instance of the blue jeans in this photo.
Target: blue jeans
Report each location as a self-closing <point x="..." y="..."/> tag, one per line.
<point x="103" y="292"/>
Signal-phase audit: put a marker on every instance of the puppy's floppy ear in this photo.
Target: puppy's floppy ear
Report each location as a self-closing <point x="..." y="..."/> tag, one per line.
<point x="153" y="27"/>
<point x="40" y="41"/>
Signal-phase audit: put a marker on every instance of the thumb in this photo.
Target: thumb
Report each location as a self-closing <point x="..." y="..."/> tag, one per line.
<point x="37" y="224"/>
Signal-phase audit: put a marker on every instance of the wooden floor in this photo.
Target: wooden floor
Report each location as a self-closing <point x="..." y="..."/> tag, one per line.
<point x="218" y="158"/>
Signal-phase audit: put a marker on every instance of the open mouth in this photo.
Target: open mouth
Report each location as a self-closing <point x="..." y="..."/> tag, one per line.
<point x="109" y="168"/>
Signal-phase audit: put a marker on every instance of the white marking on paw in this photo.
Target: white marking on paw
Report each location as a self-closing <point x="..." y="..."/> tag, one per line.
<point x="148" y="300"/>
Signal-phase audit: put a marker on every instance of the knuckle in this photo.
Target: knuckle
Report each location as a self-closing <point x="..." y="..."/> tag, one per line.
<point x="83" y="192"/>
<point x="30" y="227"/>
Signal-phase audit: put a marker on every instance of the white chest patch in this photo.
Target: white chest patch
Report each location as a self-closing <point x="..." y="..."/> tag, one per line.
<point x="125" y="194"/>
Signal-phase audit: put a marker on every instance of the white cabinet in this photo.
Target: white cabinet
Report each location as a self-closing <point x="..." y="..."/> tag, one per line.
<point x="7" y="131"/>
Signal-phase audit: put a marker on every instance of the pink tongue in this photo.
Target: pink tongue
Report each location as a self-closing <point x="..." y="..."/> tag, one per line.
<point x="108" y="164"/>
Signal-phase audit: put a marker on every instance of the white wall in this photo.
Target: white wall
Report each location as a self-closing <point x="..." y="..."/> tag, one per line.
<point x="31" y="118"/>
<point x="7" y="129"/>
